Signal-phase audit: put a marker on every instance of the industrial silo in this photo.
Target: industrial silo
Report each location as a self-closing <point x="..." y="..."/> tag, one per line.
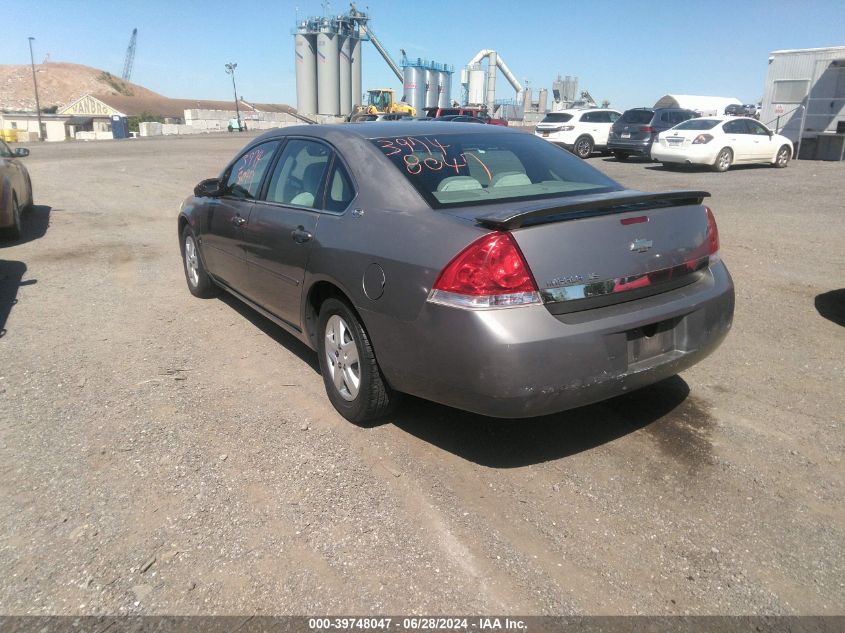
<point x="430" y="88"/>
<point x="527" y="106"/>
<point x="328" y="84"/>
<point x="542" y="99"/>
<point x="475" y="87"/>
<point x="306" y="73"/>
<point x="345" y="75"/>
<point x="444" y="89"/>
<point x="414" y="86"/>
<point x="355" y="50"/>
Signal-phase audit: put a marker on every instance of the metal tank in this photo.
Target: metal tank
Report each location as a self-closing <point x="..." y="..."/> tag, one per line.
<point x="414" y="86"/>
<point x="430" y="88"/>
<point x="475" y="87"/>
<point x="345" y="75"/>
<point x="328" y="62"/>
<point x="355" y="54"/>
<point x="444" y="89"/>
<point x="527" y="106"/>
<point x="305" y="47"/>
<point x="542" y="99"/>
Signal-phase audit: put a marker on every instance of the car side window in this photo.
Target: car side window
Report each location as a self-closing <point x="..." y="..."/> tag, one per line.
<point x="614" y="116"/>
<point x="298" y="176"/>
<point x="735" y="127"/>
<point x="339" y="191"/>
<point x="756" y="128"/>
<point x="244" y="178"/>
<point x="664" y="117"/>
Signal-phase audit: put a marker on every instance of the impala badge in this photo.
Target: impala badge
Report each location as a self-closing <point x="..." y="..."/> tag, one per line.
<point x="641" y="245"/>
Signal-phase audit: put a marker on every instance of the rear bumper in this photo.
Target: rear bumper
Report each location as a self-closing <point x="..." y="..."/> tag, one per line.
<point x="524" y="362"/>
<point x="635" y="148"/>
<point x="693" y="154"/>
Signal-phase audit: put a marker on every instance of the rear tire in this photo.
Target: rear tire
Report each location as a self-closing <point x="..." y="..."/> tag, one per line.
<point x="353" y="380"/>
<point x="782" y="158"/>
<point x="583" y="147"/>
<point x="621" y="156"/>
<point x="199" y="283"/>
<point x="723" y="160"/>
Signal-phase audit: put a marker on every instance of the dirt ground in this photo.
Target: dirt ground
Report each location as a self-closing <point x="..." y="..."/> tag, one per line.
<point x="165" y="454"/>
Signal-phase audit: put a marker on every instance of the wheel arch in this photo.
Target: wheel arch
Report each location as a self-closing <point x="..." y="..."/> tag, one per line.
<point x="318" y="292"/>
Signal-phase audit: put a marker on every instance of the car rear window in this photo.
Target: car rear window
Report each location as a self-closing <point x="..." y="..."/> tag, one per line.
<point x="556" y="117"/>
<point x="637" y="116"/>
<point x="697" y="124"/>
<point x="465" y="169"/>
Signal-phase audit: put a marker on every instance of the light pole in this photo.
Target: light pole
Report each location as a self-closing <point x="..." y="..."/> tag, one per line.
<point x="230" y="70"/>
<point x="35" y="83"/>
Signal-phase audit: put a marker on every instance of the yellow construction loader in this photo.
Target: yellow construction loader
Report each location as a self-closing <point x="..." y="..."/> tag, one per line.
<point x="382" y="101"/>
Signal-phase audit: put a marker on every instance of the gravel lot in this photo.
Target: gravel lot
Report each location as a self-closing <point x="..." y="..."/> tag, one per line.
<point x="164" y="454"/>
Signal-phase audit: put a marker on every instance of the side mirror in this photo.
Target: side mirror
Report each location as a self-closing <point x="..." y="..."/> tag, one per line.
<point x="20" y="152"/>
<point x="209" y="188"/>
<point x="771" y="134"/>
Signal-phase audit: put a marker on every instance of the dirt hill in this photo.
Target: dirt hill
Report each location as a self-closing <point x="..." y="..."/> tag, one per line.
<point x="60" y="84"/>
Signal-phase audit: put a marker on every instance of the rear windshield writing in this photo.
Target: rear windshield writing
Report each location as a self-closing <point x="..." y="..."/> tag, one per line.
<point x="556" y="117"/>
<point x="697" y="124"/>
<point x="637" y="116"/>
<point x="460" y="169"/>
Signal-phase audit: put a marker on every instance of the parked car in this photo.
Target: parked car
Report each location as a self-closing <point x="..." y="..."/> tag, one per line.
<point x="751" y="109"/>
<point x="581" y="131"/>
<point x="363" y="117"/>
<point x="459" y="118"/>
<point x="734" y="109"/>
<point x="636" y="130"/>
<point x="477" y="112"/>
<point x="471" y="265"/>
<point x="721" y="142"/>
<point x="15" y="189"/>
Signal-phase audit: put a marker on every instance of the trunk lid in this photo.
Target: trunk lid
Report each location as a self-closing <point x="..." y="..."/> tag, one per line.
<point x="607" y="248"/>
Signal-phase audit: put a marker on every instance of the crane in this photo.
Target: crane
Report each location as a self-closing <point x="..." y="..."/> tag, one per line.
<point x="130" y="56"/>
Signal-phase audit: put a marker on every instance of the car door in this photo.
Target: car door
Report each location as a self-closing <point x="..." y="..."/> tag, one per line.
<point x="764" y="147"/>
<point x="222" y="240"/>
<point x="283" y="227"/>
<point x="739" y="140"/>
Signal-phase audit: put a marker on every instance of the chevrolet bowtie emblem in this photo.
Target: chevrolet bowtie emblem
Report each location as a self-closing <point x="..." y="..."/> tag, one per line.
<point x="641" y="245"/>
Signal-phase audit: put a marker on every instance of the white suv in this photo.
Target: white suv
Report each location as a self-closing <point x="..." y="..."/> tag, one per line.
<point x="581" y="131"/>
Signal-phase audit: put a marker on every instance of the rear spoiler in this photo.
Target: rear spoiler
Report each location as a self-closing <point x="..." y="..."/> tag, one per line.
<point x="589" y="205"/>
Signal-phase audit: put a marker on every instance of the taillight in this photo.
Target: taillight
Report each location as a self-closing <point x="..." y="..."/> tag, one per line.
<point x="702" y="139"/>
<point x="489" y="273"/>
<point x="649" y="129"/>
<point x="712" y="236"/>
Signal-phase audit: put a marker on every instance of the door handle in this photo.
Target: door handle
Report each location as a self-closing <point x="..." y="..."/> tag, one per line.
<point x="300" y="235"/>
<point x="238" y="220"/>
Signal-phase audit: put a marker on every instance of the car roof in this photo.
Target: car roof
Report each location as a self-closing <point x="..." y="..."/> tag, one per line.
<point x="379" y="129"/>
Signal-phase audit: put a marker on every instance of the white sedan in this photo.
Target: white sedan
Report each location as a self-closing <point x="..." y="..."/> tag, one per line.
<point x="721" y="142"/>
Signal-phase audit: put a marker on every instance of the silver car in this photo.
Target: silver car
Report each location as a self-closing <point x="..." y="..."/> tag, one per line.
<point x="473" y="265"/>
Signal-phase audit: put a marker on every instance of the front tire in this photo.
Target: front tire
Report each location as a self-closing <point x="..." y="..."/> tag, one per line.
<point x="351" y="374"/>
<point x="723" y="160"/>
<point x="199" y="283"/>
<point x="782" y="158"/>
<point x="16" y="229"/>
<point x="583" y="147"/>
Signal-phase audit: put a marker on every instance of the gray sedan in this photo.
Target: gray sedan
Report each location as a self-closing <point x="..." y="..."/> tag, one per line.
<point x="476" y="266"/>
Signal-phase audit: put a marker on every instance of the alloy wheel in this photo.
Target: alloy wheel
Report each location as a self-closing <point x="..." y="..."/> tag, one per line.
<point x="342" y="358"/>
<point x="192" y="261"/>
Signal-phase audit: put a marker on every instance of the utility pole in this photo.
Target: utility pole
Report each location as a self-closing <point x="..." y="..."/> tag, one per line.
<point x="35" y="83"/>
<point x="230" y="70"/>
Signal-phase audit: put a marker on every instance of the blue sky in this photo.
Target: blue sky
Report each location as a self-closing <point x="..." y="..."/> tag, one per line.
<point x="630" y="53"/>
